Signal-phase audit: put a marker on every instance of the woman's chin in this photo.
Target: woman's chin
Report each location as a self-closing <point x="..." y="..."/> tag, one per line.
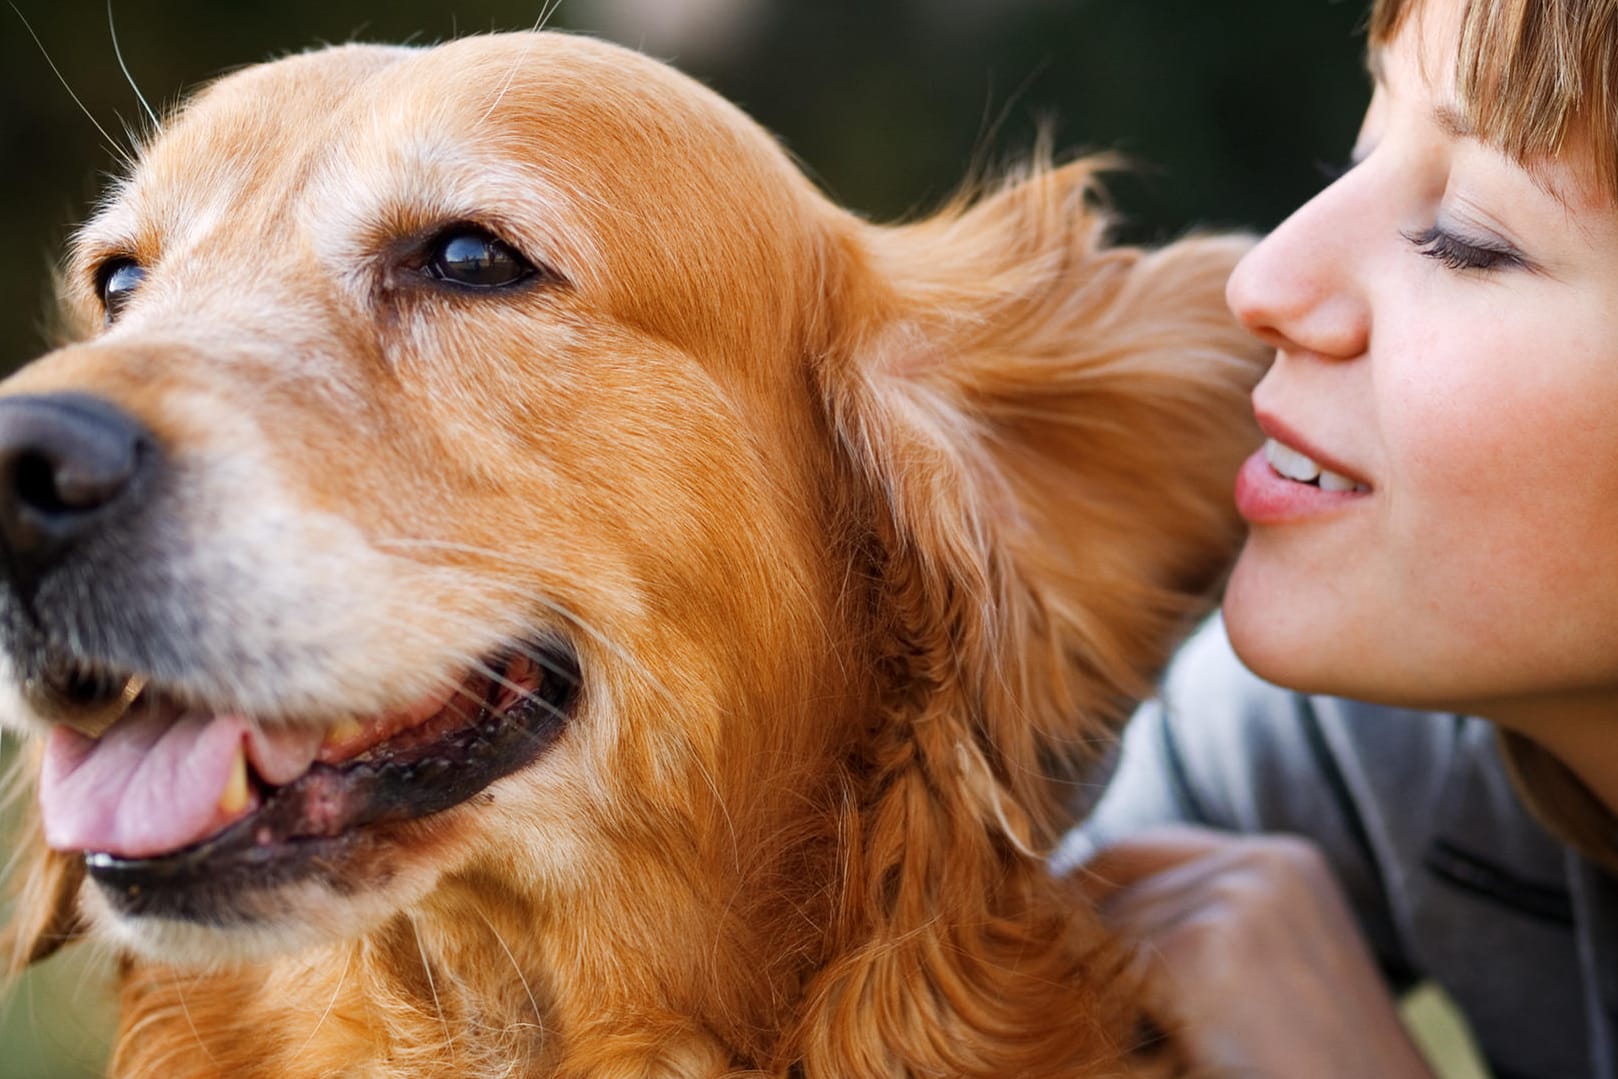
<point x="1281" y="637"/>
<point x="1308" y="640"/>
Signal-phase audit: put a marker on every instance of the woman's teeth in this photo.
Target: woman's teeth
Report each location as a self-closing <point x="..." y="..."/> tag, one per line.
<point x="1293" y="465"/>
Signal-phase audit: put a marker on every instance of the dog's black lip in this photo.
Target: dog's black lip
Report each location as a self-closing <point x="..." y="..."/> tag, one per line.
<point x="280" y="843"/>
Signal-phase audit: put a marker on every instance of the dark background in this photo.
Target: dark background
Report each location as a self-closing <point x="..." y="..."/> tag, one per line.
<point x="1228" y="107"/>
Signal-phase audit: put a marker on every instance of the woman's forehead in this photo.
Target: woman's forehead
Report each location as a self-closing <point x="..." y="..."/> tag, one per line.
<point x="1513" y="92"/>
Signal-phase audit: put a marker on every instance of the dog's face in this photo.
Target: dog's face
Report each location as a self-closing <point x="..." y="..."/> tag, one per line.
<point x="497" y="464"/>
<point x="461" y="430"/>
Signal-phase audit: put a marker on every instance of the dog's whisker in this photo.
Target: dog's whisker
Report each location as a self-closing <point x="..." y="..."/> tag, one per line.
<point x="185" y="1007"/>
<point x="122" y="154"/>
<point x="539" y="1016"/>
<point x="617" y="650"/>
<point x="118" y="52"/>
<point x="719" y="802"/>
<point x="545" y="14"/>
<point x="540" y="660"/>
<point x="342" y="976"/>
<point x="459" y="690"/>
<point x="499" y="679"/>
<point x="650" y="680"/>
<point x="668" y="695"/>
<point x="432" y="985"/>
<point x="523" y="695"/>
<point x="550" y="7"/>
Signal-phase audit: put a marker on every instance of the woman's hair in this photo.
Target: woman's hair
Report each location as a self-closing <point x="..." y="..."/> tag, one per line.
<point x="1531" y="73"/>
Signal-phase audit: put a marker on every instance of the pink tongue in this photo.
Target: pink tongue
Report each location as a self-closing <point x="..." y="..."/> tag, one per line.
<point x="152" y="783"/>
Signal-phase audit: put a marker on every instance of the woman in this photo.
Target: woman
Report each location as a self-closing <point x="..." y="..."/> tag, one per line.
<point x="1434" y="527"/>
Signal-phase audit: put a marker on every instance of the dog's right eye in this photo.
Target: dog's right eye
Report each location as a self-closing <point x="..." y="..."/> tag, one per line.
<point x="116" y="283"/>
<point x="467" y="255"/>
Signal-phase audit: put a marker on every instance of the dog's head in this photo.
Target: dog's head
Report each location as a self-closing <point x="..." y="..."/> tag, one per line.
<point x="496" y="462"/>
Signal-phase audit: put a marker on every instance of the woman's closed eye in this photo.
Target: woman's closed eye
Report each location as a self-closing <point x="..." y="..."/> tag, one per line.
<point x="1465" y="254"/>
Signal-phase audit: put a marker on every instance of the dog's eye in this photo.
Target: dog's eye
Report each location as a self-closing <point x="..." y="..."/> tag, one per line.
<point x="116" y="283"/>
<point x="469" y="256"/>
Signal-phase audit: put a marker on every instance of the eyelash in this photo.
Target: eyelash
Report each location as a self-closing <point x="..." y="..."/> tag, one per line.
<point x="1459" y="254"/>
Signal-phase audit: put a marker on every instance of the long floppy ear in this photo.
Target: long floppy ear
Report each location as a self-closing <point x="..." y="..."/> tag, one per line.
<point x="44" y="886"/>
<point x="1048" y="431"/>
<point x="1041" y="435"/>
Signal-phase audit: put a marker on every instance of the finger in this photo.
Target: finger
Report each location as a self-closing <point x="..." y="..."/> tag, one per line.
<point x="1172" y="896"/>
<point x="1152" y="922"/>
<point x="1127" y="862"/>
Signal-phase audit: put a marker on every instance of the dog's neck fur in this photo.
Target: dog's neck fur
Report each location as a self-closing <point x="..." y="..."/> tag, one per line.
<point x="841" y="982"/>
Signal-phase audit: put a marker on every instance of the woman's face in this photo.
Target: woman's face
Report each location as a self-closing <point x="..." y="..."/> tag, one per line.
<point x="1447" y="327"/>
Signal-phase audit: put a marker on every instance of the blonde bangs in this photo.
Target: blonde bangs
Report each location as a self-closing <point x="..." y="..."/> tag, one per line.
<point x="1532" y="74"/>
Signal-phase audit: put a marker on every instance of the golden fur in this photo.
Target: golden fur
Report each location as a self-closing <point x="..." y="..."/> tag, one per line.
<point x="866" y="537"/>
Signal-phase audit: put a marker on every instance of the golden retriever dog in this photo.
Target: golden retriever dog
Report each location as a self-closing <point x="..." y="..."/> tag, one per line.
<point x="507" y="580"/>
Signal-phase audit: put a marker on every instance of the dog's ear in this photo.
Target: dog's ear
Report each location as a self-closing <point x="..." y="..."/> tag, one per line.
<point x="44" y="886"/>
<point x="1040" y="434"/>
<point x="1046" y="431"/>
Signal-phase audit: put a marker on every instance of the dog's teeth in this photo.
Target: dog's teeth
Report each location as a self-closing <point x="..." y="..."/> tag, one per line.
<point x="346" y="730"/>
<point x="234" y="799"/>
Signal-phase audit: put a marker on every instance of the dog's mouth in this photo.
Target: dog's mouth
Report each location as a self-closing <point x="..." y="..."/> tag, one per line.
<point x="168" y="800"/>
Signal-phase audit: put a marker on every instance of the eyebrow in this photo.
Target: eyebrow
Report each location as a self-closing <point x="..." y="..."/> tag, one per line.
<point x="1451" y="119"/>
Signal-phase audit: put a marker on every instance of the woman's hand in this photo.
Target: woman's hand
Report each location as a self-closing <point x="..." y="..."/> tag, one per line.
<point x="1256" y="954"/>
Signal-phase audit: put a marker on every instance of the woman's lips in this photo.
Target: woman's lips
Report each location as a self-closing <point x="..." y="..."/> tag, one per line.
<point x="1265" y="497"/>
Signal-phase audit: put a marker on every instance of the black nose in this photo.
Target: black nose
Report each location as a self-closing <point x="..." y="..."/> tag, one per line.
<point x="70" y="466"/>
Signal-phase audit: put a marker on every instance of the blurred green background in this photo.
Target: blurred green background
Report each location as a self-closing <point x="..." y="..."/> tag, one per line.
<point x="1228" y="107"/>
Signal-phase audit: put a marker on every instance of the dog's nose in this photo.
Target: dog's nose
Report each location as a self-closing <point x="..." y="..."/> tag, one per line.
<point x="69" y="466"/>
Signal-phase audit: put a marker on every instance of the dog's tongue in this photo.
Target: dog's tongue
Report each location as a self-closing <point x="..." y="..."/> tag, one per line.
<point x="154" y="781"/>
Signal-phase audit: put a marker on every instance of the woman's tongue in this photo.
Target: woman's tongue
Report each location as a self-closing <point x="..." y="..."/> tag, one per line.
<point x="157" y="781"/>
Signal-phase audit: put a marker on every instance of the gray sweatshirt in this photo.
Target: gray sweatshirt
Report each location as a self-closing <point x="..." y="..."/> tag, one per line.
<point x="1451" y="877"/>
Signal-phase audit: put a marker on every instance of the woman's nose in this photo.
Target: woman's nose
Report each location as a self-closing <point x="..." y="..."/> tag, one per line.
<point x="1301" y="289"/>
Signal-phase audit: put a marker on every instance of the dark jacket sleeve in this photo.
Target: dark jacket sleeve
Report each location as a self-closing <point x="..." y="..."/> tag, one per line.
<point x="1221" y="748"/>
